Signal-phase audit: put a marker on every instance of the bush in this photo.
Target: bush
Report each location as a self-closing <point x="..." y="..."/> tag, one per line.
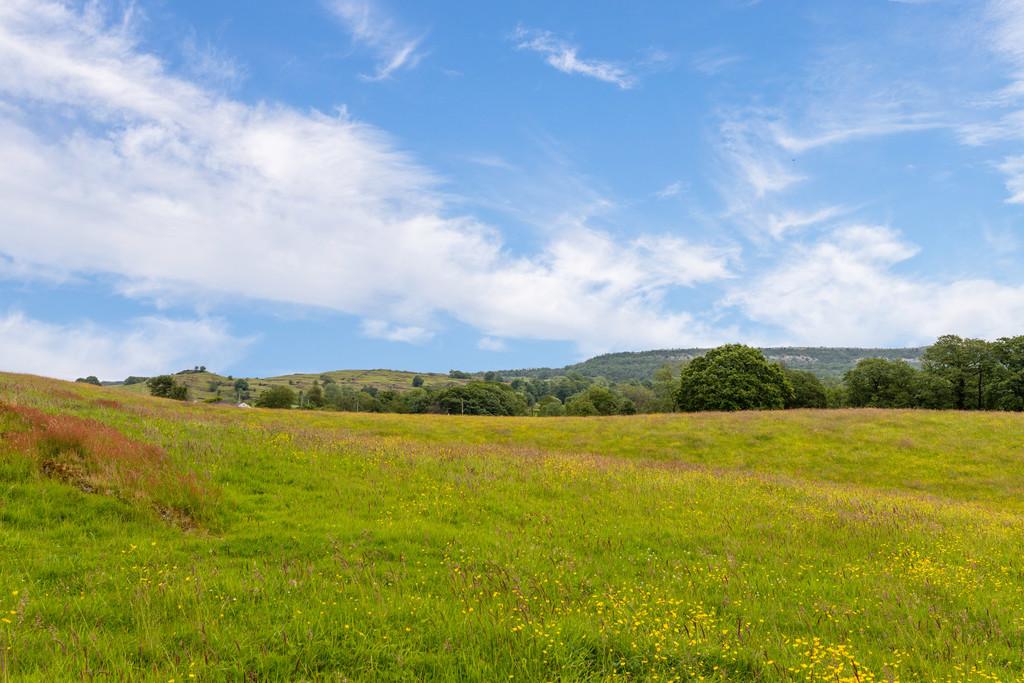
<point x="164" y="386"/>
<point x="91" y="379"/>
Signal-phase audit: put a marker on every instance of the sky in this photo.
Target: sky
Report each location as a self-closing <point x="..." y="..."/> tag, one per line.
<point x="309" y="185"/>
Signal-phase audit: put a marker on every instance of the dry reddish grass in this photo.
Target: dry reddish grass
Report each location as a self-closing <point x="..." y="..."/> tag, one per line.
<point x="99" y="459"/>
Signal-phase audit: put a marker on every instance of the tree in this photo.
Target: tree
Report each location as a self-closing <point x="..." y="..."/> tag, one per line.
<point x="459" y="374"/>
<point x="550" y="406"/>
<point x="580" y="405"/>
<point x="880" y="383"/>
<point x="417" y="381"/>
<point x="91" y="379"/>
<point x="808" y="391"/>
<point x="949" y="359"/>
<point x="732" y="377"/>
<point x="666" y="388"/>
<point x="1009" y="352"/>
<point x="241" y="389"/>
<point x="315" y="396"/>
<point x="278" y="396"/>
<point x="164" y="386"/>
<point x="481" y="398"/>
<point x="414" y="401"/>
<point x="643" y="398"/>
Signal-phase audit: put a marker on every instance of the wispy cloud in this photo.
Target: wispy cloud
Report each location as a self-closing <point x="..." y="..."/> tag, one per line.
<point x="673" y="189"/>
<point x="210" y="65"/>
<point x="373" y="28"/>
<point x="865" y="124"/>
<point x="564" y="56"/>
<point x="714" y="61"/>
<point x="1013" y="168"/>
<point x="779" y="225"/>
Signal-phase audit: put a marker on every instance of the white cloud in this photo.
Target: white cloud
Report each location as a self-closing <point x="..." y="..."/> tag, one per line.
<point x="491" y="344"/>
<point x="866" y="124"/>
<point x="564" y="56"/>
<point x="753" y="157"/>
<point x="382" y="329"/>
<point x="714" y="61"/>
<point x="1004" y="35"/>
<point x="210" y="65"/>
<point x="371" y="27"/>
<point x="779" y="224"/>
<point x="843" y="291"/>
<point x="177" y="189"/>
<point x="148" y="346"/>
<point x="1013" y="167"/>
<point x="673" y="189"/>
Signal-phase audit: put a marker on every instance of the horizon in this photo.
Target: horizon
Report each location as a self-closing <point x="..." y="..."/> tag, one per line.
<point x="483" y="370"/>
<point x="369" y="184"/>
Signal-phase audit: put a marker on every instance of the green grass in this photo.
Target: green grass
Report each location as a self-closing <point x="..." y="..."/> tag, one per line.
<point x="831" y="545"/>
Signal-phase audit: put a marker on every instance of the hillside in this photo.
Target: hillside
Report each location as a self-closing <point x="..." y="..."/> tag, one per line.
<point x="209" y="386"/>
<point x="825" y="362"/>
<point x="148" y="539"/>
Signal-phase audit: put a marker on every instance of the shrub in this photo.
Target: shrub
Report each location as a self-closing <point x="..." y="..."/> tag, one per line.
<point x="164" y="386"/>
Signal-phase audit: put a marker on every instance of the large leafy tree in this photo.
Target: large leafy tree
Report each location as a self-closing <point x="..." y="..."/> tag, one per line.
<point x="1009" y="352"/>
<point x="969" y="365"/>
<point x="733" y="377"/>
<point x="880" y="383"/>
<point x="278" y="396"/>
<point x="481" y="398"/>
<point x="808" y="391"/>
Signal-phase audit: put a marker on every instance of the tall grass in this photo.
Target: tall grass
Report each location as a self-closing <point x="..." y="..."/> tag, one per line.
<point x="849" y="546"/>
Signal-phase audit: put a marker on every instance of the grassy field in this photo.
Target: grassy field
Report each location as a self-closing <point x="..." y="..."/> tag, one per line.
<point x="199" y="383"/>
<point x="143" y="539"/>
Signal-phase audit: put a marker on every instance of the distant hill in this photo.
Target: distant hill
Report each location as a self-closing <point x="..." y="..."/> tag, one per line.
<point x="209" y="385"/>
<point x="827" y="363"/>
<point x="640" y="365"/>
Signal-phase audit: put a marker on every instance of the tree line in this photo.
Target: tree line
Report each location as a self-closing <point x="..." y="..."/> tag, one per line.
<point x="955" y="373"/>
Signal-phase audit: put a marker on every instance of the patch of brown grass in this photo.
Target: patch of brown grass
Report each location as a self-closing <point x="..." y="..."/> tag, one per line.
<point x="96" y="458"/>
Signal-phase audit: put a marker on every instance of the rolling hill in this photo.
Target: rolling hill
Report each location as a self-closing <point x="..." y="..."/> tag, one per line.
<point x="209" y="385"/>
<point x="825" y="362"/>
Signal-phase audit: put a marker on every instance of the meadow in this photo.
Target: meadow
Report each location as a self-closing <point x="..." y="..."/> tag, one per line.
<point x="146" y="539"/>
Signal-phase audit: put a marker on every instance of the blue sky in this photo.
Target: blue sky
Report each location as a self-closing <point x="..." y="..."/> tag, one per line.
<point x="285" y="186"/>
